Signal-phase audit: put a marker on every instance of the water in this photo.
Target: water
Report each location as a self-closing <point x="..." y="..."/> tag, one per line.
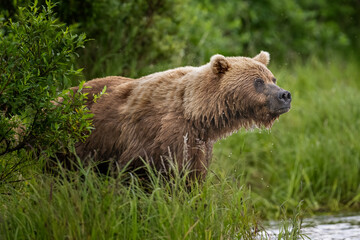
<point x="326" y="228"/>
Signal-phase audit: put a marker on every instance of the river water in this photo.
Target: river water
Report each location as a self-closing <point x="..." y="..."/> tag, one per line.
<point x="325" y="228"/>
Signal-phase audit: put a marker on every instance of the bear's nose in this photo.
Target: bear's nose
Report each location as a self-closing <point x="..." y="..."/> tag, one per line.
<point x="284" y="96"/>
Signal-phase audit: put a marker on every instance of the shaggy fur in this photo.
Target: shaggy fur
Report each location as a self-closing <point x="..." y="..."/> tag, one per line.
<point x="176" y="114"/>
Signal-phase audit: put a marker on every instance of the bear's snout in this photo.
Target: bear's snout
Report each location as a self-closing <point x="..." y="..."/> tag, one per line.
<point x="284" y="96"/>
<point x="279" y="99"/>
<point x="281" y="102"/>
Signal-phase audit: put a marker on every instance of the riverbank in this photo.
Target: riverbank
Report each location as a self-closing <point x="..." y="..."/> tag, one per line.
<point x="336" y="227"/>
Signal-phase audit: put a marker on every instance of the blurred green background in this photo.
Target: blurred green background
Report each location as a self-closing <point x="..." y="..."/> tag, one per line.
<point x="137" y="37"/>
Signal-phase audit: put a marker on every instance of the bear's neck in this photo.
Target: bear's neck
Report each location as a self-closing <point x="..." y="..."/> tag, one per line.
<point x="223" y="120"/>
<point x="215" y="127"/>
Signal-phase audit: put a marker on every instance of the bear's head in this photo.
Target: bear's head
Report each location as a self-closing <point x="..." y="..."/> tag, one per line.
<point x="234" y="92"/>
<point x="248" y="90"/>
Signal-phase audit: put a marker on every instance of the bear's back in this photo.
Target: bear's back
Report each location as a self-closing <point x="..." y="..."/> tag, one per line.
<point x="96" y="86"/>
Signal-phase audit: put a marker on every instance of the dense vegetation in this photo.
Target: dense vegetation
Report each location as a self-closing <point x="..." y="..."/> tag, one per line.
<point x="37" y="61"/>
<point x="309" y="162"/>
<point x="135" y="37"/>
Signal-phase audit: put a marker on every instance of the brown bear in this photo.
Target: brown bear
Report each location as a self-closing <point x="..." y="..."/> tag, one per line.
<point x="177" y="115"/>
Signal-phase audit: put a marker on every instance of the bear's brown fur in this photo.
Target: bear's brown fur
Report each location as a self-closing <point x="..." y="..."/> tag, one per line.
<point x="180" y="113"/>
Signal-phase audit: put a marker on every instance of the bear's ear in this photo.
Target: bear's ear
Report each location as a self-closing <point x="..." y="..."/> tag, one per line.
<point x="219" y="64"/>
<point x="263" y="57"/>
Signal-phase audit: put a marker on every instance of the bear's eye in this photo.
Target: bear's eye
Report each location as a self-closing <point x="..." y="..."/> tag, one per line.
<point x="259" y="85"/>
<point x="259" y="81"/>
<point x="274" y="80"/>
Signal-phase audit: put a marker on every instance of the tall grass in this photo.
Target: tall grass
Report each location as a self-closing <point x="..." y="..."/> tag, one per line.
<point x="87" y="206"/>
<point x="313" y="152"/>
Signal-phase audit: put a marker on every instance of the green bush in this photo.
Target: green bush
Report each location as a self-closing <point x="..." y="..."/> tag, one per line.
<point x="37" y="55"/>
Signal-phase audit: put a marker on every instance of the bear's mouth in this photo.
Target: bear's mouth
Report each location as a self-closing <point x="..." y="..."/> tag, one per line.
<point x="282" y="110"/>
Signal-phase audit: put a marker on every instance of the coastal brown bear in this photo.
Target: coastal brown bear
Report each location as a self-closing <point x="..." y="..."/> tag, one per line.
<point x="177" y="115"/>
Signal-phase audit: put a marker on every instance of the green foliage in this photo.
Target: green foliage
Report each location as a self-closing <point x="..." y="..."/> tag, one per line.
<point x="129" y="36"/>
<point x="133" y="38"/>
<point x="287" y="29"/>
<point x="36" y="62"/>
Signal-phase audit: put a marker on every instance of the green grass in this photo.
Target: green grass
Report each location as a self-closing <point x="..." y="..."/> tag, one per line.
<point x="88" y="206"/>
<point x="308" y="162"/>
